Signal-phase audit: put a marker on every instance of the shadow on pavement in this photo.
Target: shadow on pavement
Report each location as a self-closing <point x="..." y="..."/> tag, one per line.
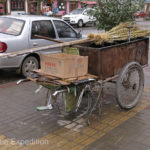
<point x="8" y="75"/>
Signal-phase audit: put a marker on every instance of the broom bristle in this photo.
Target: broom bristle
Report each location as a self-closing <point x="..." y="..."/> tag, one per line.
<point x="120" y="32"/>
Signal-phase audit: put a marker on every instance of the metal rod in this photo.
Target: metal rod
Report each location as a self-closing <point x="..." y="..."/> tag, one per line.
<point x="129" y="32"/>
<point x="108" y="79"/>
<point x="60" y="91"/>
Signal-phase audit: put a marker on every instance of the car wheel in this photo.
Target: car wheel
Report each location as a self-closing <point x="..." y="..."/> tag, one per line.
<point x="30" y="63"/>
<point x="80" y="23"/>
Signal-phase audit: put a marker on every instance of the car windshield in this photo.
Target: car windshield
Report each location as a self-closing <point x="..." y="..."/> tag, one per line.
<point x="76" y="11"/>
<point x="11" y="26"/>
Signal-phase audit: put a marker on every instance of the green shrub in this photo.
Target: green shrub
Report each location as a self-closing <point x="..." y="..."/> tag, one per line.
<point x="110" y="13"/>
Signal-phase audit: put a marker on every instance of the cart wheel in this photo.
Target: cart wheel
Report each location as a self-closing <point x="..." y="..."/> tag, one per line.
<point x="130" y="85"/>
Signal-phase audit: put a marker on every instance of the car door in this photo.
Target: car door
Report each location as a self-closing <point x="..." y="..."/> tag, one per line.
<point x="86" y="16"/>
<point x="44" y="28"/>
<point x="64" y="31"/>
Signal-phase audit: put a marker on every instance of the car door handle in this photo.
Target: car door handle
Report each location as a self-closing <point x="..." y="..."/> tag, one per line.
<point x="35" y="44"/>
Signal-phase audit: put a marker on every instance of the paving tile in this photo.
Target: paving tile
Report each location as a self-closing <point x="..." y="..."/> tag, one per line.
<point x="116" y="127"/>
<point x="131" y="135"/>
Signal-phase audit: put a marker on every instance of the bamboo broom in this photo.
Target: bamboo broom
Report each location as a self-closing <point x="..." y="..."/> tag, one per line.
<point x="120" y="32"/>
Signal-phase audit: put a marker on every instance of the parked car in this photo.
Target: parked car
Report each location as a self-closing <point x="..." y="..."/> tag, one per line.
<point x="140" y="14"/>
<point x="79" y="17"/>
<point x="18" y="33"/>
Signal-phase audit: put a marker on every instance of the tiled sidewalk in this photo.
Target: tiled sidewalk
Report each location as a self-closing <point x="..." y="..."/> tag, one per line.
<point x="133" y="134"/>
<point x="20" y="121"/>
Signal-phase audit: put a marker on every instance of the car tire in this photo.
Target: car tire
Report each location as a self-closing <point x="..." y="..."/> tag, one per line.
<point x="80" y="23"/>
<point x="29" y="64"/>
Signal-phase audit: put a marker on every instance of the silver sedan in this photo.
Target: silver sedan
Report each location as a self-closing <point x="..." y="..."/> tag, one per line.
<point x="18" y="33"/>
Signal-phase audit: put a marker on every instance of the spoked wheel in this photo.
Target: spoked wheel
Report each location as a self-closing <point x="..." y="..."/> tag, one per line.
<point x="130" y="85"/>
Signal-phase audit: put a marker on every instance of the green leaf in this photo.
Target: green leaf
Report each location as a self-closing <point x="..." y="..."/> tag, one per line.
<point x="110" y="13"/>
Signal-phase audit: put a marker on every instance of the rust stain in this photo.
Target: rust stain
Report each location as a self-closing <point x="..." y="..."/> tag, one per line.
<point x="108" y="61"/>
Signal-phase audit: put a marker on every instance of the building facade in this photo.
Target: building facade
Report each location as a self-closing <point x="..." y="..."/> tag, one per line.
<point x="22" y="6"/>
<point x="147" y="6"/>
<point x="66" y="6"/>
<point x="38" y="7"/>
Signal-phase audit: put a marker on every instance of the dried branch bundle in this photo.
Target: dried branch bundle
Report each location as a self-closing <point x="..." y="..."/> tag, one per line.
<point x="118" y="33"/>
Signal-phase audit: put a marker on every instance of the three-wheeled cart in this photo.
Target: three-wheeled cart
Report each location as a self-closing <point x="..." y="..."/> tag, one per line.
<point x="122" y="63"/>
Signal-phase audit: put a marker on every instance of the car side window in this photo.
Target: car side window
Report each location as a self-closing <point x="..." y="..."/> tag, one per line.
<point x="63" y="30"/>
<point x="85" y="13"/>
<point x="43" y="28"/>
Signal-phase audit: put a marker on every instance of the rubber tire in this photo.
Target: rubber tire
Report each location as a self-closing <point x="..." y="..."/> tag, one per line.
<point x="27" y="60"/>
<point x="140" y="86"/>
<point x="80" y="23"/>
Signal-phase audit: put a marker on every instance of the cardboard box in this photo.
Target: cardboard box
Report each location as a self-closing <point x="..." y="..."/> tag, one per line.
<point x="64" y="65"/>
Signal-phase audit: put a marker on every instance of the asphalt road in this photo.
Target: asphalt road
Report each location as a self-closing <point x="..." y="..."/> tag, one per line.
<point x="8" y="75"/>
